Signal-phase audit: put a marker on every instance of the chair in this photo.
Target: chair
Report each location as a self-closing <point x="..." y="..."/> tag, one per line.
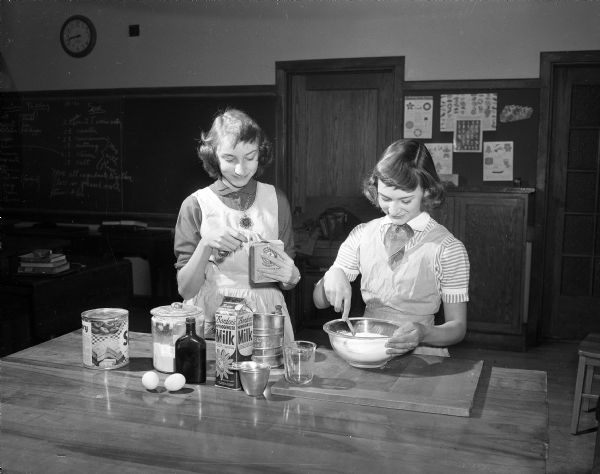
<point x="596" y="463"/>
<point x="589" y="358"/>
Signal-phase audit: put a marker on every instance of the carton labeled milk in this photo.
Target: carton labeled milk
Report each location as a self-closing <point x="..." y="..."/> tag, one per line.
<point x="259" y="263"/>
<point x="233" y="340"/>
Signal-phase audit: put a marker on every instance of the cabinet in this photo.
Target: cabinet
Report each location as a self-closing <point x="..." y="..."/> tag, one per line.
<point x="493" y="226"/>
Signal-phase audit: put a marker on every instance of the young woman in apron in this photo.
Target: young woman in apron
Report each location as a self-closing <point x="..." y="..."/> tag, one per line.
<point x="217" y="224"/>
<point x="409" y="264"/>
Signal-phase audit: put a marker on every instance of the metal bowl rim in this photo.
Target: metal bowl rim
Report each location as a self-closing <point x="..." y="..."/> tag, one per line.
<point x="326" y="328"/>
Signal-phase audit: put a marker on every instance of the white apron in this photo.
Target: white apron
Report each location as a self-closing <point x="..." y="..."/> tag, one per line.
<point x="230" y="276"/>
<point x="410" y="291"/>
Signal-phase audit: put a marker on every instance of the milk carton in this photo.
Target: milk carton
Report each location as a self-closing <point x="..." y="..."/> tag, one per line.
<point x="259" y="263"/>
<point x="233" y="340"/>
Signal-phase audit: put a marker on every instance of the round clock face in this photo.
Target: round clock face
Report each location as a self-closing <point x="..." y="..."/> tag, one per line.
<point x="78" y="36"/>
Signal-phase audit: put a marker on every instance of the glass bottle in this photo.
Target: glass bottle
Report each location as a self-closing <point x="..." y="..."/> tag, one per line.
<point x="190" y="354"/>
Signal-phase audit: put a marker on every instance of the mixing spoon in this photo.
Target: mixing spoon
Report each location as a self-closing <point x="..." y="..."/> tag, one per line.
<point x="349" y="323"/>
<point x="351" y="326"/>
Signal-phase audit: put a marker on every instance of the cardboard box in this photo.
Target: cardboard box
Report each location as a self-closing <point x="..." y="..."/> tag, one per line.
<point x="233" y="340"/>
<point x="258" y="263"/>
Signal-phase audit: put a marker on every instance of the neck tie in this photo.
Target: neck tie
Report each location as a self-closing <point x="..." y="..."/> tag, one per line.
<point x="395" y="240"/>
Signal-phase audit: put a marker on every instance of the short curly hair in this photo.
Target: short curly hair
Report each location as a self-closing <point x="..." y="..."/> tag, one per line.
<point x="237" y="124"/>
<point x="406" y="164"/>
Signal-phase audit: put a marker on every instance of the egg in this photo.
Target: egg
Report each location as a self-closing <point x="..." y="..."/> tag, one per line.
<point x="150" y="380"/>
<point x="174" y="382"/>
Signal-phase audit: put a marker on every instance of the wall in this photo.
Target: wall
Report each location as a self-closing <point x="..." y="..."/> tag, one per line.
<point x="236" y="42"/>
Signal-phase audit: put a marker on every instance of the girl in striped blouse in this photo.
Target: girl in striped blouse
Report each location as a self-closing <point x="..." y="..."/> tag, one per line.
<point x="409" y="264"/>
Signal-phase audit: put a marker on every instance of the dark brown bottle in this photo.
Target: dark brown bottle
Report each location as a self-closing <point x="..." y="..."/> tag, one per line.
<point x="190" y="354"/>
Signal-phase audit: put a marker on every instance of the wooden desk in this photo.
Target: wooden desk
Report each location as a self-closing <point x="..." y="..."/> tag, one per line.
<point x="156" y="246"/>
<point x="37" y="308"/>
<point x="60" y="417"/>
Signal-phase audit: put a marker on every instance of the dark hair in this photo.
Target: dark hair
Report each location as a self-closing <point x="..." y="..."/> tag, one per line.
<point x="406" y="164"/>
<point x="243" y="128"/>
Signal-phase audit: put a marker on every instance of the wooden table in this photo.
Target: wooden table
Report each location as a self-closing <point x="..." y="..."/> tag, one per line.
<point x="58" y="416"/>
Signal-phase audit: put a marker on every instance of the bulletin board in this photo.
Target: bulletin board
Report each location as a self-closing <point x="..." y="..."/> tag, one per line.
<point x="523" y="133"/>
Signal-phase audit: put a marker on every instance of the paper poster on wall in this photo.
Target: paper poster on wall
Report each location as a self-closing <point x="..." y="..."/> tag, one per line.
<point x="514" y="113"/>
<point x="418" y="117"/>
<point x="475" y="106"/>
<point x="498" y="161"/>
<point x="468" y="135"/>
<point x="442" y="156"/>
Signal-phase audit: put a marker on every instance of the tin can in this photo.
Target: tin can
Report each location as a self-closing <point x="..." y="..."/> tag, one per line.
<point x="168" y="325"/>
<point x="233" y="341"/>
<point x="105" y="338"/>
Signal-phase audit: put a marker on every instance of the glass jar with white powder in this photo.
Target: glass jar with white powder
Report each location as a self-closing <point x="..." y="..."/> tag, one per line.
<point x="168" y="325"/>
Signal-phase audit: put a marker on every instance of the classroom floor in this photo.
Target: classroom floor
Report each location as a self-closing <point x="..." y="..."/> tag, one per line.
<point x="566" y="453"/>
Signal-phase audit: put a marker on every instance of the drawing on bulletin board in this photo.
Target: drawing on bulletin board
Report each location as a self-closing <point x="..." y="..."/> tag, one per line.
<point x="515" y="113"/>
<point x="468" y="135"/>
<point x="442" y="156"/>
<point x="498" y="161"/>
<point x="481" y="106"/>
<point x="418" y="117"/>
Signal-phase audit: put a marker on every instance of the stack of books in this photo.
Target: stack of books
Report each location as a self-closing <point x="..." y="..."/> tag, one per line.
<point x="121" y="225"/>
<point x="43" y="262"/>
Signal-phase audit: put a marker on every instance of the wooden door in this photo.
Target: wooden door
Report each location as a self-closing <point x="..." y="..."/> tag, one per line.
<point x="335" y="119"/>
<point x="572" y="250"/>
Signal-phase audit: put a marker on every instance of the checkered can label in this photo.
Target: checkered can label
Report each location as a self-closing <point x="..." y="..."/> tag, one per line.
<point x="105" y="338"/>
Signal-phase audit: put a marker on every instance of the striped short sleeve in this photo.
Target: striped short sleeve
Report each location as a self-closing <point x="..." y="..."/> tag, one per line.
<point x="452" y="270"/>
<point x="348" y="255"/>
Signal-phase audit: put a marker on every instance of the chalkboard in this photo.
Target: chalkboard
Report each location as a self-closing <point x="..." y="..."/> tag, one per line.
<point x="523" y="133"/>
<point x="61" y="154"/>
<point x="112" y="154"/>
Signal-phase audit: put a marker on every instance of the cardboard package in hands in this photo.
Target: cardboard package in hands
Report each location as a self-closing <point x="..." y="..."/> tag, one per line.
<point x="258" y="262"/>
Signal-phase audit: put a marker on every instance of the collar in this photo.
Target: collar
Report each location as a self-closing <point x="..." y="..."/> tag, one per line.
<point x="417" y="223"/>
<point x="222" y="189"/>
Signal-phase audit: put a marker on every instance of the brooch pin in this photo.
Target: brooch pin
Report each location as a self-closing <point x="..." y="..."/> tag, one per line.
<point x="246" y="222"/>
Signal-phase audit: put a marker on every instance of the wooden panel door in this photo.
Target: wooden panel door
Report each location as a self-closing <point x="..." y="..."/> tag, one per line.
<point x="335" y="119"/>
<point x="341" y="126"/>
<point x="493" y="229"/>
<point x="572" y="282"/>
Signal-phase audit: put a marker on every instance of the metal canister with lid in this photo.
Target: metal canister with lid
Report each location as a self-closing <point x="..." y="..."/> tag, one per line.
<point x="105" y="338"/>
<point x="168" y="325"/>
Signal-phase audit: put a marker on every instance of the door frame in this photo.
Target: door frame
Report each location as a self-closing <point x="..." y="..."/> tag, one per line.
<point x="284" y="70"/>
<point x="540" y="286"/>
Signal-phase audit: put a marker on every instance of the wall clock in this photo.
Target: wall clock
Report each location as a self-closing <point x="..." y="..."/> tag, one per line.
<point x="78" y="36"/>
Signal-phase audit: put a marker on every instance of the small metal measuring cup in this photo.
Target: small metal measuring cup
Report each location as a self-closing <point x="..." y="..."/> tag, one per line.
<point x="254" y="376"/>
